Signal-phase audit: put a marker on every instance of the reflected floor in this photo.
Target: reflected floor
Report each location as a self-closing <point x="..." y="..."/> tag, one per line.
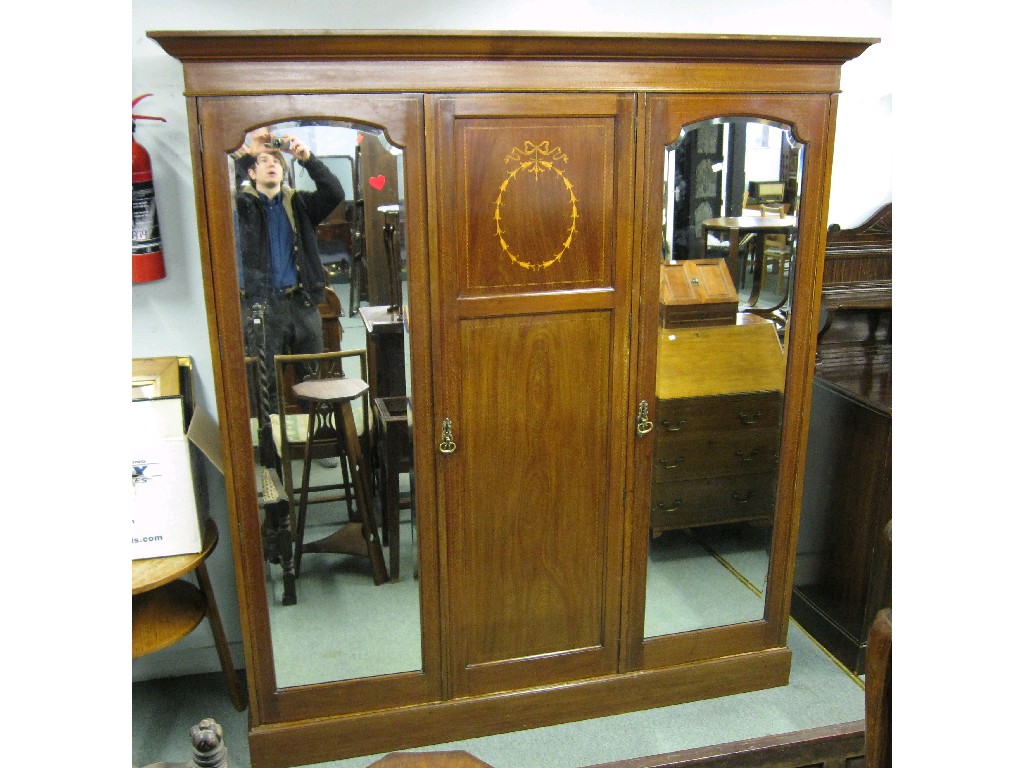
<point x="705" y="577"/>
<point x="324" y="636"/>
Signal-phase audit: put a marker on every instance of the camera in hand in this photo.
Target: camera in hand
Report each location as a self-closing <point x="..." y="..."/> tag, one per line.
<point x="278" y="143"/>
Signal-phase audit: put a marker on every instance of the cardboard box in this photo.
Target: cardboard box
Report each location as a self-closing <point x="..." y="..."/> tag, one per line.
<point x="169" y="438"/>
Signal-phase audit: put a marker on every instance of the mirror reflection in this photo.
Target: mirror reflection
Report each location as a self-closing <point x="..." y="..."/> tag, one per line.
<point x="732" y="192"/>
<point x="320" y="241"/>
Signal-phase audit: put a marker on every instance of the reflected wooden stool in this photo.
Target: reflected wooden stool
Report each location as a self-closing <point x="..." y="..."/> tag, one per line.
<point x="335" y="396"/>
<point x="165" y="608"/>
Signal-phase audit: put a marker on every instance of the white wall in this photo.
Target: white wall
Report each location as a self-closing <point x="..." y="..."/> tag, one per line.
<point x="168" y="316"/>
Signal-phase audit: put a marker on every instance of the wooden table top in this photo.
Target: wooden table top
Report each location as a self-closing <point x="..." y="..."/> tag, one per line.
<point x="154" y="572"/>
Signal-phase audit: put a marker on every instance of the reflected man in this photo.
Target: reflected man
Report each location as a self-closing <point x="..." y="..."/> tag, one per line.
<point x="279" y="270"/>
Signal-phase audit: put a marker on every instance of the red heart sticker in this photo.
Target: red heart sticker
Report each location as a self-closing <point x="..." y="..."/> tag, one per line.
<point x="377" y="182"/>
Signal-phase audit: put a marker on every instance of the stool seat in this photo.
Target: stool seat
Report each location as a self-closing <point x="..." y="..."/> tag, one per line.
<point x="330" y="390"/>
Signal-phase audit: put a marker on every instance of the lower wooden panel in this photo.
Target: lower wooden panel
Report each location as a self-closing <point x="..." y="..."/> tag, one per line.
<point x="335" y="738"/>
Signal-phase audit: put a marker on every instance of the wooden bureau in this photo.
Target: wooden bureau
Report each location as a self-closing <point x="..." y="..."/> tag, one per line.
<point x="717" y="425"/>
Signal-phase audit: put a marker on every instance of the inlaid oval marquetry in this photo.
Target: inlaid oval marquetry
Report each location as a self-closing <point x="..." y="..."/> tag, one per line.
<point x="537" y="178"/>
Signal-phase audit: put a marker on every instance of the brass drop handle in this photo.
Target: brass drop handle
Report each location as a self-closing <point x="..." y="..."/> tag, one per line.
<point x="643" y="421"/>
<point x="750" y="420"/>
<point x="447" y="444"/>
<point x="665" y="462"/>
<point x="745" y="457"/>
<point x="666" y="424"/>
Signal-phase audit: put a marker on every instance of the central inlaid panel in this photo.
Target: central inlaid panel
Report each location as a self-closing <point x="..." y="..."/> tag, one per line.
<point x="537" y="198"/>
<point x="535" y="333"/>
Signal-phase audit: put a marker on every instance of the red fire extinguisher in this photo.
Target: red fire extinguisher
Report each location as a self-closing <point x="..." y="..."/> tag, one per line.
<point x="147" y="253"/>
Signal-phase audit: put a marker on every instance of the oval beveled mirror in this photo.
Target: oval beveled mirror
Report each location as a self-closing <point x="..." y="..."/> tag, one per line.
<point x="732" y="201"/>
<point x="326" y="356"/>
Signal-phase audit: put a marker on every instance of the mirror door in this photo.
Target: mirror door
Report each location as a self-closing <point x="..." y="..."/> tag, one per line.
<point x="310" y="202"/>
<point x="723" y="229"/>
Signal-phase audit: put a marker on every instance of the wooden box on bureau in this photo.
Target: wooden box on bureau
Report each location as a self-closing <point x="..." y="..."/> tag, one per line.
<point x="717" y="425"/>
<point x="697" y="292"/>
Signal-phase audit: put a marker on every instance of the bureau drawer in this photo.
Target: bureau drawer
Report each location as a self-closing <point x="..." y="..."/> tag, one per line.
<point x="685" y="456"/>
<point x="693" y="503"/>
<point x="750" y="410"/>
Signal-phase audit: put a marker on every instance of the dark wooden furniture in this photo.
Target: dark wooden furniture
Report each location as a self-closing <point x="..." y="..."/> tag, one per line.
<point x="832" y="746"/>
<point x="385" y="351"/>
<point x="534" y="169"/>
<point x="878" y="692"/>
<point x="208" y="747"/>
<point x="330" y="317"/>
<point x="394" y="458"/>
<point x="393" y="254"/>
<point x="166" y="607"/>
<point x="862" y="253"/>
<point x="840" y="579"/>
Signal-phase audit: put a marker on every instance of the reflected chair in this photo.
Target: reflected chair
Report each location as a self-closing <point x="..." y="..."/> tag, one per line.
<point x="290" y="428"/>
<point x="778" y="249"/>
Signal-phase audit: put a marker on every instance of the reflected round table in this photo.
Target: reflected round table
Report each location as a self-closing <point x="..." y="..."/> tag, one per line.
<point x="736" y="228"/>
<point x="165" y="607"/>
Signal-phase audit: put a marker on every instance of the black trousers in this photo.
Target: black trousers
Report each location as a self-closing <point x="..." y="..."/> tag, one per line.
<point x="289" y="324"/>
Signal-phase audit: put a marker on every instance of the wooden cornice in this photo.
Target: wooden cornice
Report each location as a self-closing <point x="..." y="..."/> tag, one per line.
<point x="427" y="45"/>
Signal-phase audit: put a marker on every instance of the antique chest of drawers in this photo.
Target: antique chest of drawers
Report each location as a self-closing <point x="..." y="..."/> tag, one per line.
<point x="717" y="425"/>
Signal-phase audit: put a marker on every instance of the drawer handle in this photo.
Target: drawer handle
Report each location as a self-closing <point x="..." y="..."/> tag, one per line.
<point x="666" y="424"/>
<point x="643" y="421"/>
<point x="746" y="457"/>
<point x="665" y="462"/>
<point x="741" y="499"/>
<point x="447" y="445"/>
<point x="661" y="505"/>
<point x="750" y="420"/>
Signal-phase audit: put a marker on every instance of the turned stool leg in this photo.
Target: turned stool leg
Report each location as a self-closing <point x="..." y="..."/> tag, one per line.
<point x="307" y="461"/>
<point x="357" y="538"/>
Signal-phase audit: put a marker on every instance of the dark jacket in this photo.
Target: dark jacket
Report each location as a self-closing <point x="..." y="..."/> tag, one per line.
<point x="305" y="211"/>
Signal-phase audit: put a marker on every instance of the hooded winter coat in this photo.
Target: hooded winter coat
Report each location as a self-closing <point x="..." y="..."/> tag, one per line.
<point x="305" y="210"/>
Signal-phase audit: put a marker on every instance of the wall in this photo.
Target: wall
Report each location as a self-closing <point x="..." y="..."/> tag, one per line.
<point x="168" y="316"/>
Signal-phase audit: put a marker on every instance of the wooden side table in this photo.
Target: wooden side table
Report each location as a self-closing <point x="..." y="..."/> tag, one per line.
<point x="165" y="607"/>
<point x="385" y="351"/>
<point x="394" y="456"/>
